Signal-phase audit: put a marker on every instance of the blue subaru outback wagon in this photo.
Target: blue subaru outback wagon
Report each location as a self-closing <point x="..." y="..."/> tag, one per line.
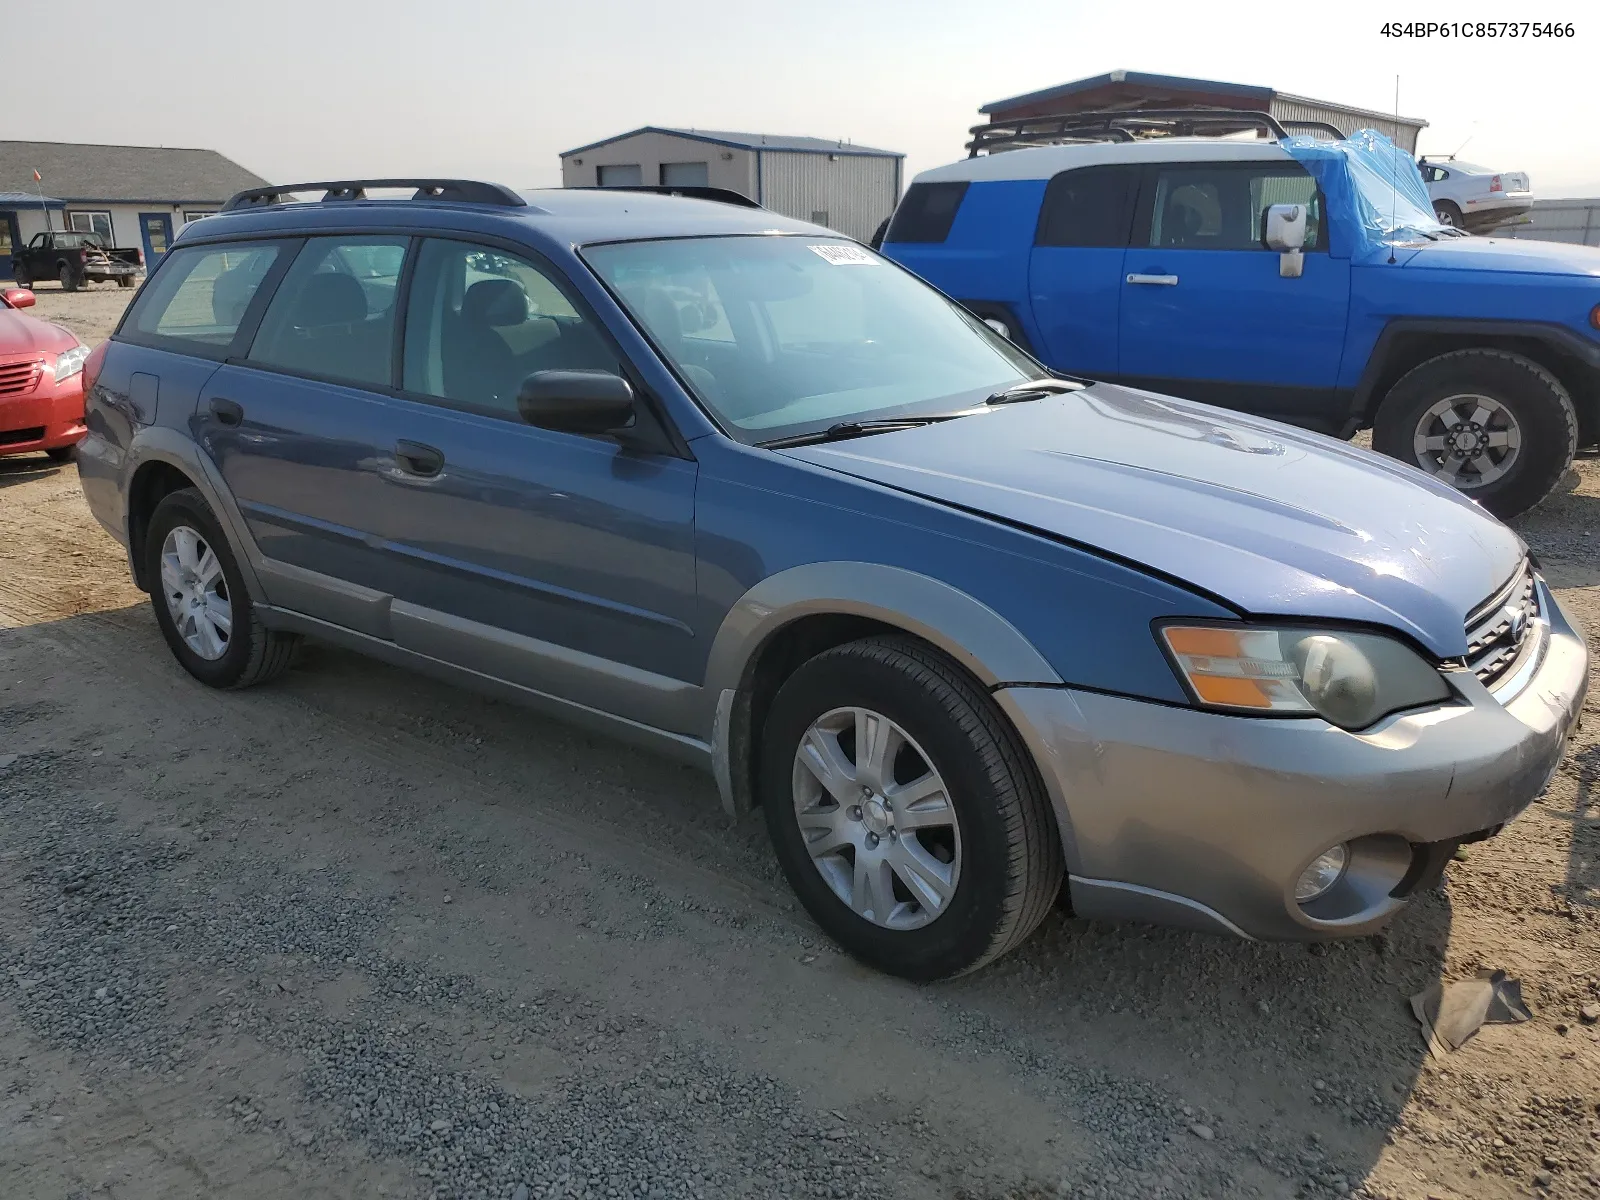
<point x="745" y="492"/>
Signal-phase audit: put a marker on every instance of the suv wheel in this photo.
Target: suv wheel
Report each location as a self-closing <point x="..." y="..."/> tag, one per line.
<point x="200" y="599"/>
<point x="904" y="811"/>
<point x="1494" y="424"/>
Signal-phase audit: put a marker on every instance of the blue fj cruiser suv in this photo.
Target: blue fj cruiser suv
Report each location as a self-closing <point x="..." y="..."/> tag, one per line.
<point x="1114" y="248"/>
<point x="740" y="489"/>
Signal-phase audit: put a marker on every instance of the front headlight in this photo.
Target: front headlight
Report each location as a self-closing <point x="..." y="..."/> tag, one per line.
<point x="1348" y="679"/>
<point x="70" y="362"/>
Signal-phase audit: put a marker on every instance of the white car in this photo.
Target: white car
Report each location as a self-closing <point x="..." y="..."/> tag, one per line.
<point x="1474" y="198"/>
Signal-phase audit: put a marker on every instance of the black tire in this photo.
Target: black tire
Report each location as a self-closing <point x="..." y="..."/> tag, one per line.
<point x="1448" y="213"/>
<point x="1535" y="397"/>
<point x="1012" y="863"/>
<point x="21" y="277"/>
<point x="70" y="280"/>
<point x="62" y="453"/>
<point x="125" y="281"/>
<point x="254" y="653"/>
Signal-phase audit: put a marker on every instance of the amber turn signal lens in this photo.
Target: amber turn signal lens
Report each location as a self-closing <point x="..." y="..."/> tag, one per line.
<point x="1594" y="316"/>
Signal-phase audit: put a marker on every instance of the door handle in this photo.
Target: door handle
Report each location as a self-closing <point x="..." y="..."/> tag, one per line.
<point x="227" y="412"/>
<point x="1161" y="280"/>
<point x="416" y="459"/>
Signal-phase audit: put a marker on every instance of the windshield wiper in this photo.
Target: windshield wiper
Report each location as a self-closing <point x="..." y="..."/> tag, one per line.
<point x="844" y="430"/>
<point x="1033" y="389"/>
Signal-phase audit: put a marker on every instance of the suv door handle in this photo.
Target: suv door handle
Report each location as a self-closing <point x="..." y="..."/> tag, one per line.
<point x="227" y="412"/>
<point x="416" y="459"/>
<point x="1162" y="280"/>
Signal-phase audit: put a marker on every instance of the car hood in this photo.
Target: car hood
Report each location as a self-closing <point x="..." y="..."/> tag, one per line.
<point x="1271" y="519"/>
<point x="22" y="334"/>
<point x="1507" y="254"/>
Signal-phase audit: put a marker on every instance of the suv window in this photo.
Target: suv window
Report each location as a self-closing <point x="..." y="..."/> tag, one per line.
<point x="1092" y="206"/>
<point x="333" y="314"/>
<point x="200" y="294"/>
<point x="926" y="213"/>
<point x="1220" y="206"/>
<point x="480" y="321"/>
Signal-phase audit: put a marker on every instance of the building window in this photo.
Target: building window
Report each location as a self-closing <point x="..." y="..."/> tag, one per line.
<point x="98" y="223"/>
<point x="193" y="215"/>
<point x="621" y="175"/>
<point x="820" y="217"/>
<point x="693" y="174"/>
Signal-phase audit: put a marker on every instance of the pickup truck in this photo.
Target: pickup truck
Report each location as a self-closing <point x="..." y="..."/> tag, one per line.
<point x="75" y="259"/>
<point x="1300" y="279"/>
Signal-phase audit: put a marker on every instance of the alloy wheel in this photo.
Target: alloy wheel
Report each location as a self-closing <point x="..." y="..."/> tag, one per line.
<point x="196" y="593"/>
<point x="877" y="819"/>
<point x="1469" y="441"/>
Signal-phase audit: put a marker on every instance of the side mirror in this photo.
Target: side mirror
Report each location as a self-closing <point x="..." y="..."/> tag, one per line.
<point x="1284" y="230"/>
<point x="576" y="401"/>
<point x="19" y="297"/>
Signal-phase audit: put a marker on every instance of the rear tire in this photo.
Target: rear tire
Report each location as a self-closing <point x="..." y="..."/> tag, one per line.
<point x="125" y="281"/>
<point x="1447" y="213"/>
<point x="1437" y="402"/>
<point x="251" y="653"/>
<point x="996" y="850"/>
<point x="70" y="282"/>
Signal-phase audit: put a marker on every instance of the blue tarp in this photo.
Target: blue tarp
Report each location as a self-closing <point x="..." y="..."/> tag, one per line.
<point x="1374" y="189"/>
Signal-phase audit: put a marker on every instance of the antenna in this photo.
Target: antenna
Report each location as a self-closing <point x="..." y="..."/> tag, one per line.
<point x="1394" y="174"/>
<point x="1463" y="145"/>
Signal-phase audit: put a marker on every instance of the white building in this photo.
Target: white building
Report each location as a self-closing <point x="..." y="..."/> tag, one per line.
<point x="849" y="188"/>
<point x="132" y="196"/>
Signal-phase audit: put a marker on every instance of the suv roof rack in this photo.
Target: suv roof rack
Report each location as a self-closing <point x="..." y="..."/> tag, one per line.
<point x="690" y="191"/>
<point x="1132" y="124"/>
<point x="453" y="191"/>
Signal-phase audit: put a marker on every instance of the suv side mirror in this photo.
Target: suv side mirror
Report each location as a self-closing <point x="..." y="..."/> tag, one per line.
<point x="1284" y="230"/>
<point x="576" y="401"/>
<point x="19" y="297"/>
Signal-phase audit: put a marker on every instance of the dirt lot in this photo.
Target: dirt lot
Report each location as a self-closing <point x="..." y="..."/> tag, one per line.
<point x="358" y="934"/>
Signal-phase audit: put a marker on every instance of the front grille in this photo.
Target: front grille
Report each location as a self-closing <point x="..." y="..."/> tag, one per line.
<point x="15" y="437"/>
<point x="1497" y="627"/>
<point x="19" y="377"/>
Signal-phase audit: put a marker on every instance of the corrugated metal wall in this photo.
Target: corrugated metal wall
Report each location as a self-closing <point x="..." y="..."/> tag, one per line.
<point x="1573" y="221"/>
<point x="1345" y="120"/>
<point x="726" y="166"/>
<point x="856" y="191"/>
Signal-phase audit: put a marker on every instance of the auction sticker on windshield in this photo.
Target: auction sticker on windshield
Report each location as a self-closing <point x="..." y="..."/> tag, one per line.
<point x="841" y="255"/>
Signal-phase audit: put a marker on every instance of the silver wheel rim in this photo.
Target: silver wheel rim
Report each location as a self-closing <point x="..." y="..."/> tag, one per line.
<point x="877" y="819"/>
<point x="196" y="592"/>
<point x="1469" y="441"/>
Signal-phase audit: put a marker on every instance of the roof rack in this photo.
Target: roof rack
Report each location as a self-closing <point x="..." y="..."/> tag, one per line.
<point x="453" y="191"/>
<point x="689" y="191"/>
<point x="1126" y="125"/>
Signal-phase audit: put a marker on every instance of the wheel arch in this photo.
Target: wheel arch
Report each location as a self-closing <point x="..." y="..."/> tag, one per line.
<point x="796" y="614"/>
<point x="1406" y="344"/>
<point x="162" y="461"/>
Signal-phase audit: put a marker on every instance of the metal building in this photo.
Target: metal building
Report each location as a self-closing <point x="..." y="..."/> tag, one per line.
<point x="1574" y="221"/>
<point x="1136" y="89"/>
<point x="846" y="187"/>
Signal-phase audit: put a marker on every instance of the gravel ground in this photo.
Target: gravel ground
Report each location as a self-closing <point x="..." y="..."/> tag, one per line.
<point x="359" y="934"/>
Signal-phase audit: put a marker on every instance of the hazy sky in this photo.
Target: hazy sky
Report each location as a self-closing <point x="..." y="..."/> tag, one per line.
<point x="317" y="89"/>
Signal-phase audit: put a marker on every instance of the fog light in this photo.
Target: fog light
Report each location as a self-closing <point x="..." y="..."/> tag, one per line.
<point x="1322" y="874"/>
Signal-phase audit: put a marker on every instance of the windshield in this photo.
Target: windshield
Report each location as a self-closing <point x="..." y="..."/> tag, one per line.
<point x="785" y="335"/>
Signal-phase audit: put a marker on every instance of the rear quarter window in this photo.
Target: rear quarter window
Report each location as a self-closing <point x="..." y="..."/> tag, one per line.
<point x="200" y="295"/>
<point x="927" y="212"/>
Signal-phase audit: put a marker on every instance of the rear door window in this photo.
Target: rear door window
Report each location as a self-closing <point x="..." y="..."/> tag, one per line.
<point x="199" y="297"/>
<point x="333" y="316"/>
<point x="1092" y="206"/>
<point x="927" y="212"/>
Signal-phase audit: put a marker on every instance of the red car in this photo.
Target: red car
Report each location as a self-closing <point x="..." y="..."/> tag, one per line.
<point x="41" y="382"/>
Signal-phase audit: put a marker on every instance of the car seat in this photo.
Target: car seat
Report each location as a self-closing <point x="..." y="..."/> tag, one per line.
<point x="479" y="366"/>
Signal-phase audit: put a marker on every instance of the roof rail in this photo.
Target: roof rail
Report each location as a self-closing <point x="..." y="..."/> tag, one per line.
<point x="689" y="191"/>
<point x="1122" y="125"/>
<point x="1315" y="127"/>
<point x="454" y="191"/>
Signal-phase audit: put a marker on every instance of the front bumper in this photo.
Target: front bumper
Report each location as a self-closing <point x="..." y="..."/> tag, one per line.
<point x="48" y="417"/>
<point x="1184" y="817"/>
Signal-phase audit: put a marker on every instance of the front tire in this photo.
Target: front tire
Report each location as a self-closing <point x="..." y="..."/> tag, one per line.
<point x="200" y="600"/>
<point x="21" y="277"/>
<point x="62" y="454"/>
<point x="904" y="810"/>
